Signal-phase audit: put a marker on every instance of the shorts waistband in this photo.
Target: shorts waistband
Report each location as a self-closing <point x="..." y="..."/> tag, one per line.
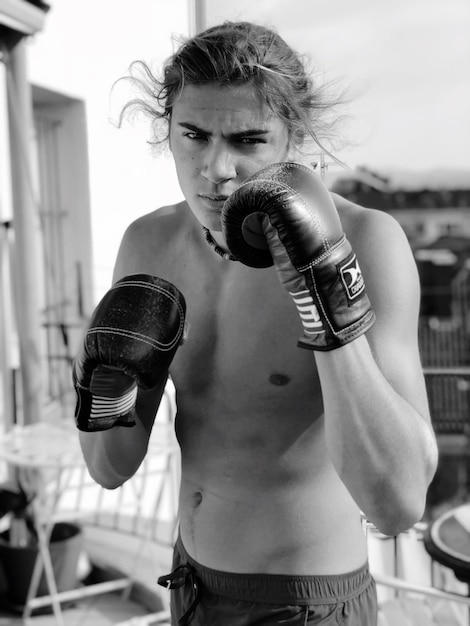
<point x="278" y="588"/>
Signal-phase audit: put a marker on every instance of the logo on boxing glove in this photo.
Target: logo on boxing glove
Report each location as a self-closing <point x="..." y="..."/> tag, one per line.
<point x="308" y="312"/>
<point x="351" y="277"/>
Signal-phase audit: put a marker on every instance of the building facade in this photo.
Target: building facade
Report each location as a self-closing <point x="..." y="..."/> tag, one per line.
<point x="46" y="270"/>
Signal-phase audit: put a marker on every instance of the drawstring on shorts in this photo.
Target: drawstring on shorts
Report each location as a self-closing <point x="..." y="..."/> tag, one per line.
<point x="306" y="616"/>
<point x="180" y="576"/>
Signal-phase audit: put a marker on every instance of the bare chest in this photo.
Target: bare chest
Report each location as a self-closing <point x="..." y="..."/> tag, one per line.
<point x="241" y="351"/>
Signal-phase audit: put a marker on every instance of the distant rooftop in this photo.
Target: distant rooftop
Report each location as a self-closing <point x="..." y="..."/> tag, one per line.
<point x="393" y="180"/>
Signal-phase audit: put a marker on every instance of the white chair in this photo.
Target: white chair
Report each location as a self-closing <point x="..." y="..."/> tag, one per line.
<point x="129" y="530"/>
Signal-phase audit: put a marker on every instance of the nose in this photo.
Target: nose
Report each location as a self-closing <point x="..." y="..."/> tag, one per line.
<point x="219" y="165"/>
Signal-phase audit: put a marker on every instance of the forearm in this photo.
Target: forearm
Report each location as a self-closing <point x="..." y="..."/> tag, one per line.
<point x="113" y="456"/>
<point x="381" y="445"/>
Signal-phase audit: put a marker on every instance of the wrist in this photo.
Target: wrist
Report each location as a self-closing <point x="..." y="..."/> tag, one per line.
<point x="97" y="412"/>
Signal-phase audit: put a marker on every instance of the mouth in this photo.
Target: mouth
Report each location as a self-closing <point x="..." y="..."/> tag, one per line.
<point x="213" y="201"/>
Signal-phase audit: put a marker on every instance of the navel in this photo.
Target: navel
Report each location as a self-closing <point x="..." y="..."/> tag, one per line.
<point x="196" y="499"/>
<point x="279" y="379"/>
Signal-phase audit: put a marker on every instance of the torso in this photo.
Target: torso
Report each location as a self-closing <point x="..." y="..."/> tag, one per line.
<point x="258" y="491"/>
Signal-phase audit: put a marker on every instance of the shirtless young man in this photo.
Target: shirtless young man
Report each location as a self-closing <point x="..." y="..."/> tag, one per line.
<point x="282" y="447"/>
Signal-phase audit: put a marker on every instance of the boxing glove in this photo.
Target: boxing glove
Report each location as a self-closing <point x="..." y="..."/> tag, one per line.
<point x="286" y="216"/>
<point x="131" y="340"/>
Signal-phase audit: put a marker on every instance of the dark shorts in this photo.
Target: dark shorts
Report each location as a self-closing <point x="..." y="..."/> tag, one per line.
<point x="205" y="597"/>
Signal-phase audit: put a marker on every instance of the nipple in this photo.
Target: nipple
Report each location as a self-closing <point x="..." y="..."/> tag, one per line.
<point x="279" y="379"/>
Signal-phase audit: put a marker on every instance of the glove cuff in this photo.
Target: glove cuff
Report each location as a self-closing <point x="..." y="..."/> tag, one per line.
<point x="332" y="302"/>
<point x="95" y="412"/>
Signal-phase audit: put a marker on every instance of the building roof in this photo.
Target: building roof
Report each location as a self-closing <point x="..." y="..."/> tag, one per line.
<point x="395" y="180"/>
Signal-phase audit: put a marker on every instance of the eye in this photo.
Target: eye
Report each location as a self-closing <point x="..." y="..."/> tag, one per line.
<point x="249" y="141"/>
<point x="194" y="136"/>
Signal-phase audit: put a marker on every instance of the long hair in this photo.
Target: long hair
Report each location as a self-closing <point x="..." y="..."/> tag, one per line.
<point x="236" y="53"/>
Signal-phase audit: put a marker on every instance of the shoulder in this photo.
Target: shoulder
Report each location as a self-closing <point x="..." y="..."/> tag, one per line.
<point x="150" y="241"/>
<point x="384" y="255"/>
<point x="361" y="223"/>
<point x="158" y="223"/>
<point x="374" y="234"/>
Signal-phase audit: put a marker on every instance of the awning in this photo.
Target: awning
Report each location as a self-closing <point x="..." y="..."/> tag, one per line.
<point x="22" y="16"/>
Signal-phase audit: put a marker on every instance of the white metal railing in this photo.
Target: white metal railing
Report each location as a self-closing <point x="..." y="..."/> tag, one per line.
<point x="405" y="572"/>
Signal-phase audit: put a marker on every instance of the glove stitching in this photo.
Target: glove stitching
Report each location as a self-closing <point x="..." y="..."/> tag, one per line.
<point x="285" y="187"/>
<point x="320" y="302"/>
<point x="160" y="290"/>
<point x="133" y="335"/>
<point x="326" y="243"/>
<point x="283" y="184"/>
<point x="320" y="230"/>
<point x="157" y="288"/>
<point x="324" y="256"/>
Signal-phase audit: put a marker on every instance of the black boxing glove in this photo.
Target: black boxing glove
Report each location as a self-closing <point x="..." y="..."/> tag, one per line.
<point x="286" y="216"/>
<point x="131" y="340"/>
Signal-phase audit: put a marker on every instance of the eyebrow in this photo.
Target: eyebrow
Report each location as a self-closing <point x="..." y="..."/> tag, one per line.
<point x="249" y="132"/>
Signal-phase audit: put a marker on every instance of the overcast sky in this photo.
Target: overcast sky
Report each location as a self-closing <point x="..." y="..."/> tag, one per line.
<point x="406" y="63"/>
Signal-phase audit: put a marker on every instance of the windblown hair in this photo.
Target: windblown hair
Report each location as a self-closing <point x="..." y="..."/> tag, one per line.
<point x="236" y="53"/>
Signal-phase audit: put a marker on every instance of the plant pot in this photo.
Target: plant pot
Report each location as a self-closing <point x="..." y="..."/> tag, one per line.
<point x="18" y="563"/>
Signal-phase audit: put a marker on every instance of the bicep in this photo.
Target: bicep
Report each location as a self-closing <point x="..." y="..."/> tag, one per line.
<point x="139" y="254"/>
<point x="393" y="287"/>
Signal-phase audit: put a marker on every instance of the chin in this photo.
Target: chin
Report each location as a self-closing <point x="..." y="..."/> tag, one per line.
<point x="214" y="223"/>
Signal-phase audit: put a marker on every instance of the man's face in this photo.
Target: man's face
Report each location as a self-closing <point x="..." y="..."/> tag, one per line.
<point x="219" y="136"/>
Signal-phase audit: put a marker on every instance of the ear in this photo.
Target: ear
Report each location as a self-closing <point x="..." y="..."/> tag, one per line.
<point x="296" y="142"/>
<point x="295" y="154"/>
